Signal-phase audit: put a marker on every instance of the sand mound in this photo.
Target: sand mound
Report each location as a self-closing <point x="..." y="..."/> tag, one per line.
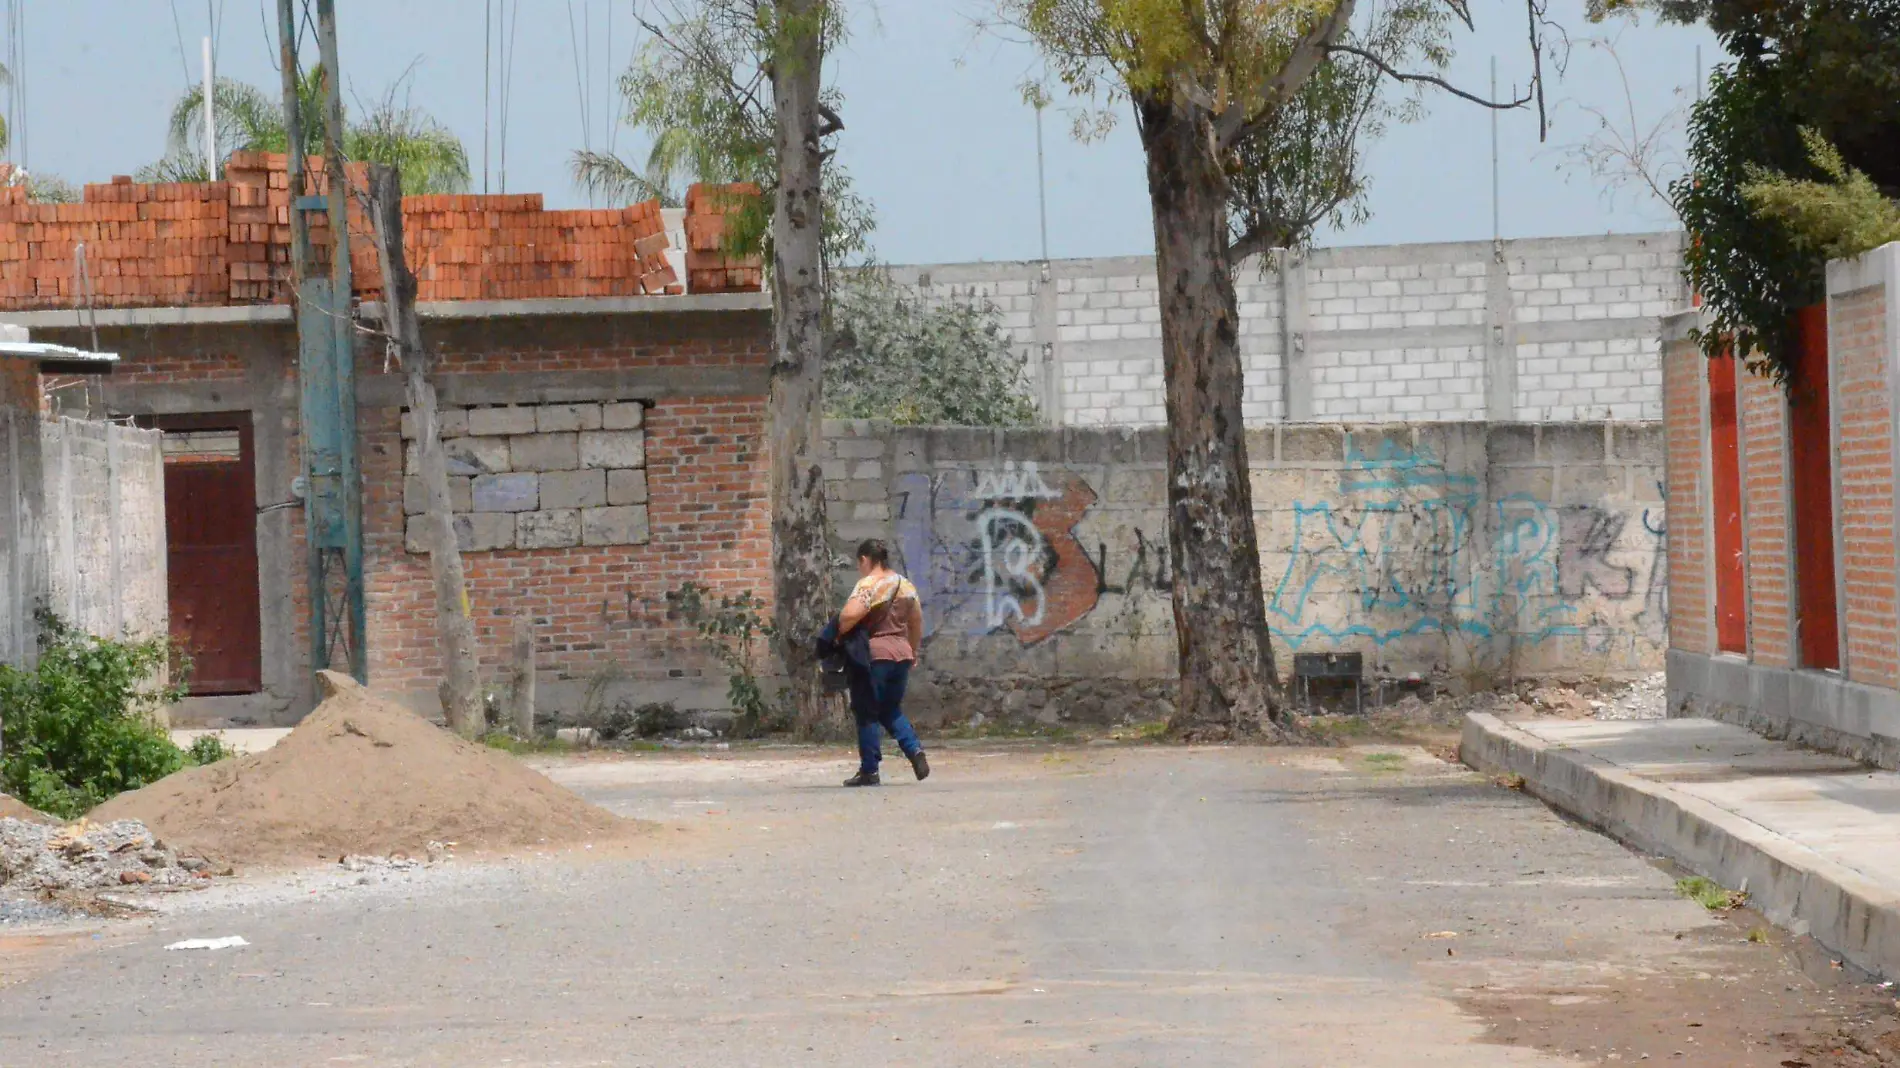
<point x="360" y="775"/>
<point x="15" y="809"/>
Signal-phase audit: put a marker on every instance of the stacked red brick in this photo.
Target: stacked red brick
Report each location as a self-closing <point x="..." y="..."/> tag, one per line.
<point x="509" y="247"/>
<point x="710" y="268"/>
<point x="260" y="226"/>
<point x="1865" y="506"/>
<point x="144" y="245"/>
<point x="228" y="242"/>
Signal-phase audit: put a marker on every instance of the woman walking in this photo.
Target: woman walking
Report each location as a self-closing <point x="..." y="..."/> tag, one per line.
<point x="885" y="604"/>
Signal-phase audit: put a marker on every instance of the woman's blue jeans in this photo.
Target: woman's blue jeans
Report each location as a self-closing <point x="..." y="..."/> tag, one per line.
<point x="877" y="700"/>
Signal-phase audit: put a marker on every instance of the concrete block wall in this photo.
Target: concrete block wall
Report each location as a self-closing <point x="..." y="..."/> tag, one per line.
<point x="1452" y="550"/>
<point x="1540" y="329"/>
<point x="536" y="476"/>
<point x="82" y="528"/>
<point x="1856" y="709"/>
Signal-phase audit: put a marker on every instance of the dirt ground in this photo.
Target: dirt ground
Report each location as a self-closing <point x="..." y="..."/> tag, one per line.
<point x="1029" y="904"/>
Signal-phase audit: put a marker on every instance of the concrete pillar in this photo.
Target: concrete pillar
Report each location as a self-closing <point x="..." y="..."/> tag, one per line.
<point x="1296" y="375"/>
<point x="1500" y="340"/>
<point x="1048" y="346"/>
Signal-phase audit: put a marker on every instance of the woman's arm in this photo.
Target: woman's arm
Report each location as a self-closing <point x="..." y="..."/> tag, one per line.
<point x="856" y="607"/>
<point x="914" y="628"/>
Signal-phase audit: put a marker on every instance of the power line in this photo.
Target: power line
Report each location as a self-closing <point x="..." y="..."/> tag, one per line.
<point x="507" y="84"/>
<point x="179" y="29"/>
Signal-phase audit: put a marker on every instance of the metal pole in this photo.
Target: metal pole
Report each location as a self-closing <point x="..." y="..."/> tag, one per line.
<point x="1497" y="230"/>
<point x="350" y="485"/>
<point x="488" y="37"/>
<point x="211" y="117"/>
<point x="1042" y="188"/>
<point x="293" y="137"/>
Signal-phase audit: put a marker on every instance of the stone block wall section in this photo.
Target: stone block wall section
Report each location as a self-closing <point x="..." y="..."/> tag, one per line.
<point x="536" y="476"/>
<point x="1542" y="329"/>
<point x="1464" y="552"/>
<point x="1856" y="709"/>
<point x="228" y="243"/>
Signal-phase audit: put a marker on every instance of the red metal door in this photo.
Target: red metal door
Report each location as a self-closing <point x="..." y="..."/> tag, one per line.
<point x="211" y="543"/>
<point x="1811" y="463"/>
<point x="1731" y="621"/>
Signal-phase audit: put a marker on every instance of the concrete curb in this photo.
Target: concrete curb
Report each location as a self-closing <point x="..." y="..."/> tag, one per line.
<point x="1792" y="885"/>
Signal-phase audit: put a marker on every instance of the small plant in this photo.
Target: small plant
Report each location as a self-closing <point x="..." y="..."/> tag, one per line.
<point x="1709" y="894"/>
<point x="1758" y="935"/>
<point x="83" y="725"/>
<point x="208" y="749"/>
<point x="1386" y="761"/>
<point x="732" y="628"/>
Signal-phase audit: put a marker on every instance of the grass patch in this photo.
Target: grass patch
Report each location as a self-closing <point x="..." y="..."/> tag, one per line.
<point x="1710" y="894"/>
<point x="1758" y="935"/>
<point x="1386" y="761"/>
<point x="1005" y="730"/>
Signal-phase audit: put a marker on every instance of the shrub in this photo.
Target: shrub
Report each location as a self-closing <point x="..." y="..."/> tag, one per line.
<point x="82" y="726"/>
<point x="731" y="628"/>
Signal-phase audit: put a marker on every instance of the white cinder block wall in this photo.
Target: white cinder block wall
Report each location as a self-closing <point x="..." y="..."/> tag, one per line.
<point x="1540" y="329"/>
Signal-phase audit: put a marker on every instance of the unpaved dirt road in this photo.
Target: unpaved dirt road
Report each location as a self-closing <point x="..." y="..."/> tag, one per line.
<point x="1042" y="907"/>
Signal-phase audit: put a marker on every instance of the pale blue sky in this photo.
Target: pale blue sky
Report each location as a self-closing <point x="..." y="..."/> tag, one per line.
<point x="936" y="133"/>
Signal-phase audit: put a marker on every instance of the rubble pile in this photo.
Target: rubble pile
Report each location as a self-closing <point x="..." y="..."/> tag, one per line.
<point x="1647" y="698"/>
<point x="90" y="856"/>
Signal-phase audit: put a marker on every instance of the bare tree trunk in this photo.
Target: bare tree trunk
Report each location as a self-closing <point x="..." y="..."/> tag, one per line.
<point x="1226" y="659"/>
<point x="801" y="555"/>
<point x="461" y="688"/>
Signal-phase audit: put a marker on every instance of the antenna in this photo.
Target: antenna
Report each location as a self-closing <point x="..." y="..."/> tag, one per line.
<point x="1042" y="186"/>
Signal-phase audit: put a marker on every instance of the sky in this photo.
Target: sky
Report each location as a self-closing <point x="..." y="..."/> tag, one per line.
<point x="936" y="132"/>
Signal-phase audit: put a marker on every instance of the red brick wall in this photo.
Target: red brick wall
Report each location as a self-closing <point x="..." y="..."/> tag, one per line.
<point x="1764" y="433"/>
<point x="1863" y="412"/>
<point x="595" y="609"/>
<point x="1686" y="443"/>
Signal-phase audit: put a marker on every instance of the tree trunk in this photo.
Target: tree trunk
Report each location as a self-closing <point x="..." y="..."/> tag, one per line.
<point x="801" y="555"/>
<point x="1226" y="659"/>
<point x="461" y="687"/>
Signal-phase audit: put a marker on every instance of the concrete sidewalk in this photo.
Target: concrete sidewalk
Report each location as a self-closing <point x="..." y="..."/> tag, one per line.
<point x="1814" y="839"/>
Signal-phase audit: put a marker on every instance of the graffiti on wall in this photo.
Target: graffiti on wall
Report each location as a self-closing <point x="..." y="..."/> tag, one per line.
<point x="999" y="544"/>
<point x="1407" y="555"/>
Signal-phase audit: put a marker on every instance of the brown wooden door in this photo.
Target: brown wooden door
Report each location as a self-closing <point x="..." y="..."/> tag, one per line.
<point x="211" y="543"/>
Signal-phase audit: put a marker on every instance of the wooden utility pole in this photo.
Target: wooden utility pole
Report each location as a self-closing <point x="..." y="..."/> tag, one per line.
<point x="461" y="689"/>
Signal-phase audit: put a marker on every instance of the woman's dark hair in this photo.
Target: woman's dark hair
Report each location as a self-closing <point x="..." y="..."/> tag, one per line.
<point x="875" y="551"/>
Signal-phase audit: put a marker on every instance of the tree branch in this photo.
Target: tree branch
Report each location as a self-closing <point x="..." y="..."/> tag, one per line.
<point x="1429" y="79"/>
<point x="1254" y="242"/>
<point x="832" y="122"/>
<point x="1233" y="124"/>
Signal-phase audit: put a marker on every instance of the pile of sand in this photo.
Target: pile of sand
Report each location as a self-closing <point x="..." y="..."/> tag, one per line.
<point x="15" y="809"/>
<point x="360" y="775"/>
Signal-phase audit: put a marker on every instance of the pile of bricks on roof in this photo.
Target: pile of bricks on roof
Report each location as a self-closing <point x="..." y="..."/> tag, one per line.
<point x="228" y="242"/>
<point x="710" y="267"/>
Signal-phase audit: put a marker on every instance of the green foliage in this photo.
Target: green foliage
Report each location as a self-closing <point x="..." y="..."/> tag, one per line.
<point x="81" y="727"/>
<point x="732" y="629"/>
<point x="208" y="749"/>
<point x="1710" y="894"/>
<point x="1303" y="164"/>
<point x="1751" y="272"/>
<point x="895" y="356"/>
<point x="394" y="132"/>
<point x="700" y="90"/>
<point x="1838" y="218"/>
<point x="1299" y="162"/>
